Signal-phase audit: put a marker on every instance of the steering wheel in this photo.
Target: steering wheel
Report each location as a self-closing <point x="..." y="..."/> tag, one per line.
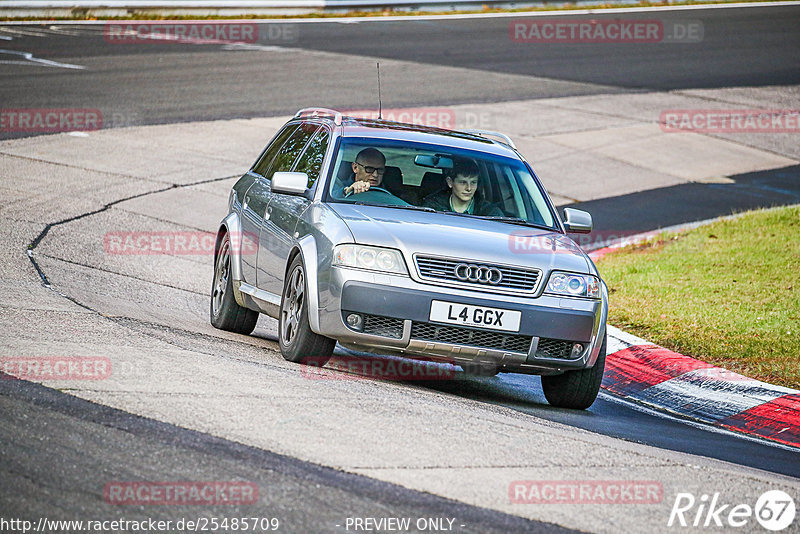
<point x="381" y="195"/>
<point x="377" y="189"/>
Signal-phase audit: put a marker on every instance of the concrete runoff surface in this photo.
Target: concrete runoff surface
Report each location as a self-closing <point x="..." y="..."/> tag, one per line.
<point x="148" y="315"/>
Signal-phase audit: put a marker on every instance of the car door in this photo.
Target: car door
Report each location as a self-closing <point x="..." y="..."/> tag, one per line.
<point x="276" y="237"/>
<point x="254" y="205"/>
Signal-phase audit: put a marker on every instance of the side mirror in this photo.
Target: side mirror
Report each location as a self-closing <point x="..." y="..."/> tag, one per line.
<point x="290" y="183"/>
<point x="577" y="221"/>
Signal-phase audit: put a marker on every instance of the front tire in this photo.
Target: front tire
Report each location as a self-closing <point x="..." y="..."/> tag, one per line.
<point x="576" y="389"/>
<point x="299" y="344"/>
<point x="226" y="314"/>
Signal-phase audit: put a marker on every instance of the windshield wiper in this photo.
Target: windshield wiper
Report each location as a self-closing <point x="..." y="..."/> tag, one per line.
<point x="516" y="220"/>
<point x="501" y="218"/>
<point x="398" y="206"/>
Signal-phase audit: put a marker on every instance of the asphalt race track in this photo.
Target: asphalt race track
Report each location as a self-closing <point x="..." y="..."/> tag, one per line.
<point x="181" y="121"/>
<point x="460" y="61"/>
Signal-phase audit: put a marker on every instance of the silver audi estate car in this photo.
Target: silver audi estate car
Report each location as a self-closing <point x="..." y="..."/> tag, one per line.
<point x="412" y="241"/>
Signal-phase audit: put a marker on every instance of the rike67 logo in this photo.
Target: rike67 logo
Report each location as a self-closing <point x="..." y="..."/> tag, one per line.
<point x="774" y="510"/>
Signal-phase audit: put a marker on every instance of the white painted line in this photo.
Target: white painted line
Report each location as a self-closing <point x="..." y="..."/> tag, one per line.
<point x="75" y="32"/>
<point x="37" y="61"/>
<point x="257" y="47"/>
<point x="396" y="18"/>
<point x="26" y="32"/>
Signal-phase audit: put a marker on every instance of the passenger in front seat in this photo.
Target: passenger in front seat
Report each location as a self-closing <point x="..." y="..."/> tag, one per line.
<point x="461" y="195"/>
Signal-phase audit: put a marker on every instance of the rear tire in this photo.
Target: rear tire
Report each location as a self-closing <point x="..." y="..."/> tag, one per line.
<point x="226" y="314"/>
<point x="576" y="389"/>
<point x="299" y="344"/>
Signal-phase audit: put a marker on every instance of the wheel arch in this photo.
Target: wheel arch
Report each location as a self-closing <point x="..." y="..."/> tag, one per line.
<point x="232" y="225"/>
<point x="306" y="248"/>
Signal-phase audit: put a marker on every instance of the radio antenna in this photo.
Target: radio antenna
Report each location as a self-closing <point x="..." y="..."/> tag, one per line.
<point x="380" y="109"/>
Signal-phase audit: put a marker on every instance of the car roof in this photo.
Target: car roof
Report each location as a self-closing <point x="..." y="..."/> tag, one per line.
<point x="382" y="129"/>
<point x="478" y="140"/>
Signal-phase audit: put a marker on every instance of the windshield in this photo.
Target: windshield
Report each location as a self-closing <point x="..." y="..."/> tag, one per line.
<point x="443" y="179"/>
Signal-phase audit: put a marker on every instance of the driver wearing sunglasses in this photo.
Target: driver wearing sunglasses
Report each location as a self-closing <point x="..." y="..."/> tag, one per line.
<point x="369" y="167"/>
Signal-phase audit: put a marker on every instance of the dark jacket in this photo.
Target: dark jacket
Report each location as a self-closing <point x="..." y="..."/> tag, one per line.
<point x="441" y="202"/>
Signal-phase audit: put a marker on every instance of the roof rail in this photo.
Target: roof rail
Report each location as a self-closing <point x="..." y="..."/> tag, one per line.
<point x="320" y="112"/>
<point x="506" y="139"/>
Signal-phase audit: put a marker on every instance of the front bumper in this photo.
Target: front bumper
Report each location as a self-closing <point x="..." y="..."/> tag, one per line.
<point x="396" y="313"/>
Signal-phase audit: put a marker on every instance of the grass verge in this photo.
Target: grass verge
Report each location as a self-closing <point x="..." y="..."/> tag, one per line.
<point x="727" y="293"/>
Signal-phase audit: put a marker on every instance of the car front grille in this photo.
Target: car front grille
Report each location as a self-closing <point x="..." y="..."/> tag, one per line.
<point x="443" y="270"/>
<point x="457" y="335"/>
<point x="378" y="325"/>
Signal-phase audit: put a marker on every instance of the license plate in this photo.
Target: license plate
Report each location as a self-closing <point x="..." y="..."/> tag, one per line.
<point x="479" y="316"/>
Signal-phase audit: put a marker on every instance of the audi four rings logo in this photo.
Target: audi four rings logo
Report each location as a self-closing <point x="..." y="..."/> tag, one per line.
<point x="478" y="273"/>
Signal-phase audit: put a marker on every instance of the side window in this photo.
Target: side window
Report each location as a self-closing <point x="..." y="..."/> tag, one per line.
<point x="262" y="166"/>
<point x="311" y="160"/>
<point x="292" y="148"/>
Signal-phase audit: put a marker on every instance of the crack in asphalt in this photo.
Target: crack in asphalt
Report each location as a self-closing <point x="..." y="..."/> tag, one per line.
<point x="167" y="221"/>
<point x="35" y="243"/>
<point x="124" y="320"/>
<point x="130" y="276"/>
<point x="132" y="323"/>
<point x="67" y="165"/>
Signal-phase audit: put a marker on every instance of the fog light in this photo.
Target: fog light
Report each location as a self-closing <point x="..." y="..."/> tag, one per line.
<point x="577" y="350"/>
<point x="355" y="321"/>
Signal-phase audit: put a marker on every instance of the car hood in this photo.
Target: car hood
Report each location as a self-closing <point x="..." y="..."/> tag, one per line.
<point x="468" y="238"/>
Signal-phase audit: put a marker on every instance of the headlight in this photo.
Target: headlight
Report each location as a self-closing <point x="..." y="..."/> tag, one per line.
<point x="385" y="260"/>
<point x="573" y="285"/>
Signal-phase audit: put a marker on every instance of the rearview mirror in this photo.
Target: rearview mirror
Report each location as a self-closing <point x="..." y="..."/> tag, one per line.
<point x="434" y="162"/>
<point x="290" y="183"/>
<point x="577" y="221"/>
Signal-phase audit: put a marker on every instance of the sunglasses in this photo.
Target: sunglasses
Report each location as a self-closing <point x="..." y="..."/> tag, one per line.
<point x="370" y="170"/>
